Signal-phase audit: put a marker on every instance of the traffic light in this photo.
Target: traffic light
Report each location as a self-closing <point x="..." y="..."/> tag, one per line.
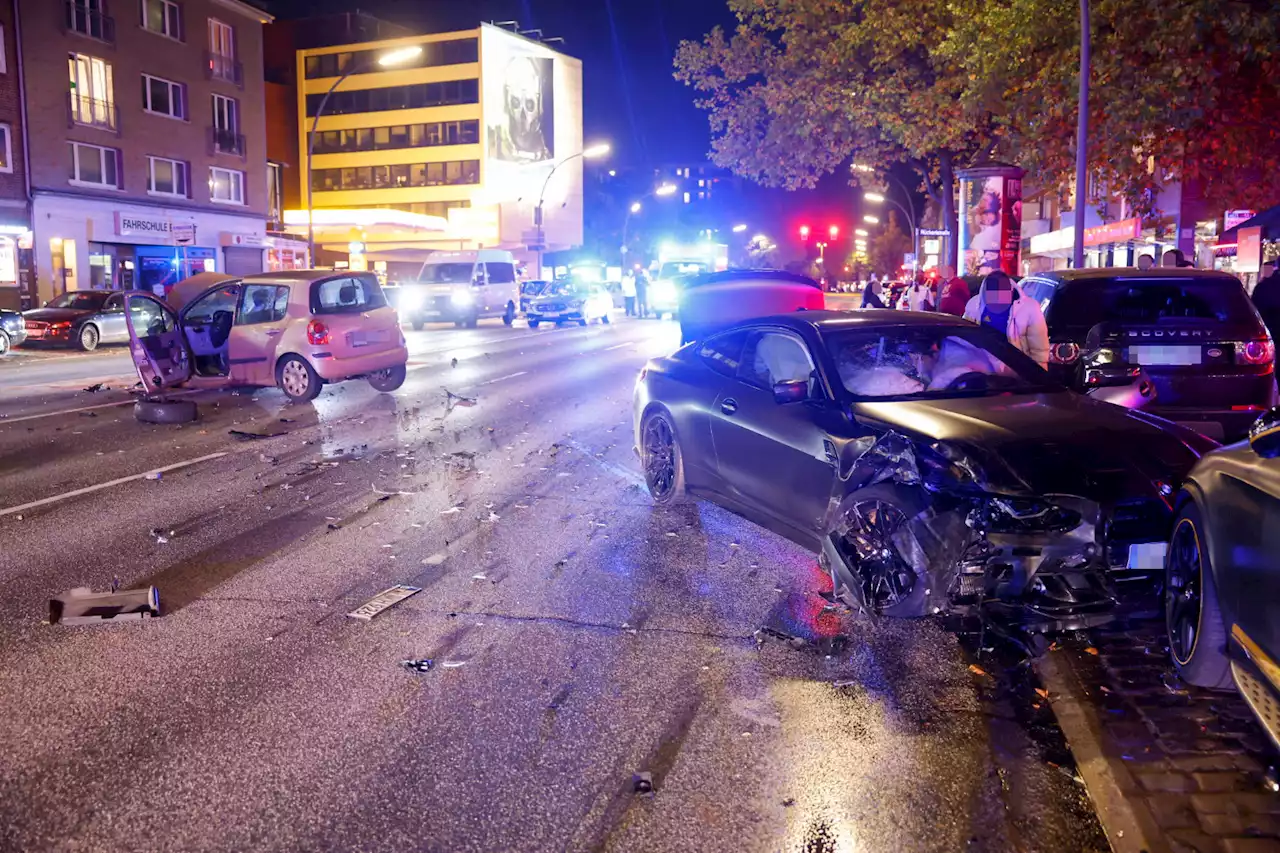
<point x="804" y="232"/>
<point x="834" y="230"/>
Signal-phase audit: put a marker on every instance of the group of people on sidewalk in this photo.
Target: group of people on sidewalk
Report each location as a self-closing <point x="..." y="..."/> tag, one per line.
<point x="635" y="294"/>
<point x="998" y="304"/>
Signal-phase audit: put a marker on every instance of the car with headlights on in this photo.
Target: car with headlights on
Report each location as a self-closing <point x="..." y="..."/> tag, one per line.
<point x="297" y="329"/>
<point x="13" y="330"/>
<point x="1222" y="572"/>
<point x="1195" y="333"/>
<point x="78" y="318"/>
<point x="932" y="465"/>
<point x="462" y="287"/>
<point x="570" y="300"/>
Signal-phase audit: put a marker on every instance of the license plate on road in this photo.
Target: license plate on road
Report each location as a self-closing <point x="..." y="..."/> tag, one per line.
<point x="1147" y="555"/>
<point x="1166" y="354"/>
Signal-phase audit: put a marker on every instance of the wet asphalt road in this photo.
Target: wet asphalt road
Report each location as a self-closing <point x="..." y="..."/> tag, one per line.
<point x="579" y="635"/>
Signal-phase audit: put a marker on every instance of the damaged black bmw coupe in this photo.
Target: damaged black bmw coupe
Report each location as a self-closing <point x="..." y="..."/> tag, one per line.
<point x="933" y="466"/>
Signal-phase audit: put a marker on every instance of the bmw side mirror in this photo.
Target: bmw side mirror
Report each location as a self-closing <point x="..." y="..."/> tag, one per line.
<point x="1264" y="435"/>
<point x="791" y="392"/>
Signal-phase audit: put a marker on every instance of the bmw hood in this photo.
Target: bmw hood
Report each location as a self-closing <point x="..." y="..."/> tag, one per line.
<point x="1054" y="443"/>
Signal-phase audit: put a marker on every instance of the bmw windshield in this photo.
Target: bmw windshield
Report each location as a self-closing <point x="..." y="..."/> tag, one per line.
<point x="931" y="362"/>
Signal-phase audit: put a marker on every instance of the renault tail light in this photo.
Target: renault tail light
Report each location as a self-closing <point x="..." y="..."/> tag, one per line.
<point x="317" y="333"/>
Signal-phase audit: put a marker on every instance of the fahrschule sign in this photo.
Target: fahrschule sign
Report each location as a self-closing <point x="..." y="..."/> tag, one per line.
<point x="155" y="227"/>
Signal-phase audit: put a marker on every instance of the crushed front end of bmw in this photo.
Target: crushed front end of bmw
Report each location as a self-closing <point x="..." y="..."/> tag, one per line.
<point x="917" y="528"/>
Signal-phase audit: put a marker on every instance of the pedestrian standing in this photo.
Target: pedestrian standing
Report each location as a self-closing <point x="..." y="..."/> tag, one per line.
<point x="1001" y="306"/>
<point x="1266" y="298"/>
<point x="642" y="294"/>
<point x="955" y="293"/>
<point x="629" y="293"/>
<point x="916" y="297"/>
<point x="871" y="296"/>
<point x="1172" y="258"/>
<point x="1146" y="262"/>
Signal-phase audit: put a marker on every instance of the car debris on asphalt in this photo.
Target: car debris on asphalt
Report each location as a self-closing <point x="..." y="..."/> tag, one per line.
<point x="387" y="598"/>
<point x="418" y="664"/>
<point x="244" y="435"/>
<point x="642" y="784"/>
<point x="82" y="606"/>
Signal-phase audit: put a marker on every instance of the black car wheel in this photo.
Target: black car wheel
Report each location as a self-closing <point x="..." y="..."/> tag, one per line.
<point x="4" y="342"/>
<point x="389" y="379"/>
<point x="861" y="541"/>
<point x="510" y="316"/>
<point x="88" y="338"/>
<point x="533" y="324"/>
<point x="1193" y="619"/>
<point x="662" y="460"/>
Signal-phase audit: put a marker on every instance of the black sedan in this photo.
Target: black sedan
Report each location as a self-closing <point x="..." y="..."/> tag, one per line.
<point x="13" y="330"/>
<point x="79" y="318"/>
<point x="1223" y="572"/>
<point x="933" y="465"/>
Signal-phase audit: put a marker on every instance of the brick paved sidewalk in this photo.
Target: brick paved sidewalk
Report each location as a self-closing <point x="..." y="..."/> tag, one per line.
<point x="1193" y="759"/>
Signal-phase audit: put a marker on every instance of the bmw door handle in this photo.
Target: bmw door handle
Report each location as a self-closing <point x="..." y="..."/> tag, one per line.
<point x="729" y="406"/>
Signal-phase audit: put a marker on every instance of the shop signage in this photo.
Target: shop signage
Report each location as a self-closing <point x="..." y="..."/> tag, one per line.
<point x="183" y="233"/>
<point x="141" y="225"/>
<point x="254" y="241"/>
<point x="1113" y="232"/>
<point x="1052" y="241"/>
<point x="1232" y="218"/>
<point x="1249" y="249"/>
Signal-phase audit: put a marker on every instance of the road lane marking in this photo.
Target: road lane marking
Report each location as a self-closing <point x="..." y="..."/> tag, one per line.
<point x="501" y="378"/>
<point x="100" y="486"/>
<point x="620" y="346"/>
<point x="4" y="420"/>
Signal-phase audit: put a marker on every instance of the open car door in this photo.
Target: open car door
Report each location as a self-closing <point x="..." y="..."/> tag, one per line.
<point x="159" y="350"/>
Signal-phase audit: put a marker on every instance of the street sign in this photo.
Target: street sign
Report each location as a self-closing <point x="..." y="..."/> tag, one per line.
<point x="909" y="259"/>
<point x="932" y="246"/>
<point x="933" y="232"/>
<point x="535" y="247"/>
<point x="183" y="234"/>
<point x="1232" y="218"/>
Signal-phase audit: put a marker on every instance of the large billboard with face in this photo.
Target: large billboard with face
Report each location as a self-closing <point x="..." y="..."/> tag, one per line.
<point x="532" y="113"/>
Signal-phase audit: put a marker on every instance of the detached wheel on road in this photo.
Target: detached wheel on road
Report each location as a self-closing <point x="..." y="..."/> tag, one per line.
<point x="1193" y="619"/>
<point x="297" y="379"/>
<point x="88" y="338"/>
<point x="860" y="546"/>
<point x="509" y="316"/>
<point x="157" y="411"/>
<point x="662" y="459"/>
<point x="389" y="379"/>
<point x="5" y="343"/>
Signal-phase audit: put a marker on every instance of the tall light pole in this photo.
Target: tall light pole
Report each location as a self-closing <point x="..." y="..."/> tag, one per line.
<point x="388" y="60"/>
<point x="879" y="198"/>
<point x="636" y="206"/>
<point x="1082" y="139"/>
<point x="591" y="152"/>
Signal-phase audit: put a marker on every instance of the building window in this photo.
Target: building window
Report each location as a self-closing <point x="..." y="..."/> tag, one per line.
<point x="6" y="148"/>
<point x="92" y="97"/>
<point x="163" y="97"/>
<point x="225" y="136"/>
<point x="398" y="136"/>
<point x="221" y="58"/>
<point x="87" y="18"/>
<point x="167" y="177"/>
<point x="444" y="93"/>
<point x="226" y="185"/>
<point x="4" y="58"/>
<point x="426" y="208"/>
<point x="453" y="173"/>
<point x="94" y="166"/>
<point x="162" y="17"/>
<point x="275" y="192"/>
<point x="434" y="53"/>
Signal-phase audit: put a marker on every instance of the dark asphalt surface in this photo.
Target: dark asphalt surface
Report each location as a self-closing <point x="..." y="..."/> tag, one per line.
<point x="579" y="635"/>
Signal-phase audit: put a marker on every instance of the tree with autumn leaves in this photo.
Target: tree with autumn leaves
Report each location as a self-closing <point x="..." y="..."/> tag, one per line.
<point x="1180" y="91"/>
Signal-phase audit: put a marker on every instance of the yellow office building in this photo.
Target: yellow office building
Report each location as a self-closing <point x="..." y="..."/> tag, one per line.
<point x="440" y="141"/>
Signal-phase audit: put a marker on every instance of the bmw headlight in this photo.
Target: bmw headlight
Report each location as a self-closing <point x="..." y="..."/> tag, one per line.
<point x="461" y="298"/>
<point x="664" y="291"/>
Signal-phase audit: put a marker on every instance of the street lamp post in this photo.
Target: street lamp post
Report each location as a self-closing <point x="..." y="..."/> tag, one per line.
<point x="658" y="192"/>
<point x="879" y="198"/>
<point x="1082" y="139"/>
<point x="591" y="152"/>
<point x="387" y="60"/>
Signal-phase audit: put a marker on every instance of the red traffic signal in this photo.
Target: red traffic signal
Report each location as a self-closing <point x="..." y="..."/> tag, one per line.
<point x="804" y="232"/>
<point x="834" y="230"/>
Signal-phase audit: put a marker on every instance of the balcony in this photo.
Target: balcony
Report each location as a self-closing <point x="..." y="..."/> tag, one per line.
<point x="92" y="112"/>
<point x="219" y="67"/>
<point x="89" y="22"/>
<point x="226" y="142"/>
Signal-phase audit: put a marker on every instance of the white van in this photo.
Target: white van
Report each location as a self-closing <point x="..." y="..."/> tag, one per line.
<point x="464" y="287"/>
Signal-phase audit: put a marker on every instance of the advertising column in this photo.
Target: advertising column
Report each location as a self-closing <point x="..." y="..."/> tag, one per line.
<point x="990" y="217"/>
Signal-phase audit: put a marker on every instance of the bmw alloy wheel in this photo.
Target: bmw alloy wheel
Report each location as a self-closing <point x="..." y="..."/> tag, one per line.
<point x="887" y="580"/>
<point x="1183" y="596"/>
<point x="659" y="457"/>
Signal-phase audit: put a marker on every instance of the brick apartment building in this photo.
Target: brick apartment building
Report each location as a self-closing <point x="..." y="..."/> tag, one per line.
<point x="148" y="154"/>
<point x="15" y="221"/>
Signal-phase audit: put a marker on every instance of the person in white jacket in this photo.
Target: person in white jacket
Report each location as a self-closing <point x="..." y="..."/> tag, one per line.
<point x="1000" y="305"/>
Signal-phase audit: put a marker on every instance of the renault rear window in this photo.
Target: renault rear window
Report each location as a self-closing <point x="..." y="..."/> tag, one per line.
<point x="1145" y="301"/>
<point x="346" y="295"/>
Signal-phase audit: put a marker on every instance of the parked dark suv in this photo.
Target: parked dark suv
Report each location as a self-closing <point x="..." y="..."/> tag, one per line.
<point x="1195" y="332"/>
